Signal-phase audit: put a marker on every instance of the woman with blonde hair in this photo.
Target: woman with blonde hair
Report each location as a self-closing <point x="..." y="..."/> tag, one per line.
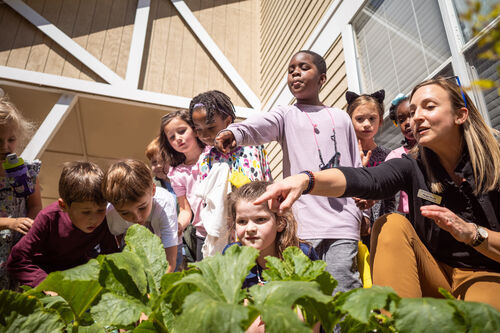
<point x="452" y="237"/>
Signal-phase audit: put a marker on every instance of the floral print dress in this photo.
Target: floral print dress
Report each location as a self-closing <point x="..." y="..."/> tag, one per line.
<point x="249" y="160"/>
<point x="12" y="206"/>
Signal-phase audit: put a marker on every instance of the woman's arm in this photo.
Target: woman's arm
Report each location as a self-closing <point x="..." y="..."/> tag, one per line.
<point x="463" y="231"/>
<point x="185" y="214"/>
<point x="376" y="183"/>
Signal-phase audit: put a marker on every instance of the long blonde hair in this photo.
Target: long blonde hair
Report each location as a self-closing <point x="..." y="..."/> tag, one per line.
<point x="481" y="141"/>
<point x="250" y="192"/>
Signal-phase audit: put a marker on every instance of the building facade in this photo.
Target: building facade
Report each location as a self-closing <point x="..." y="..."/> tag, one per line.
<point x="97" y="75"/>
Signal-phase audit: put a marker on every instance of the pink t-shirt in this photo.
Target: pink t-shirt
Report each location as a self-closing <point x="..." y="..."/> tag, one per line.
<point x="183" y="179"/>
<point x="403" y="197"/>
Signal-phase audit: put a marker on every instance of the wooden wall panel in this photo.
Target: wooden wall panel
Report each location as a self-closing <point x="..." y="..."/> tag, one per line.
<point x="178" y="64"/>
<point x="285" y="27"/>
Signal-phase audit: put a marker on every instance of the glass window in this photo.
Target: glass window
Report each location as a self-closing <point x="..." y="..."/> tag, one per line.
<point x="461" y="6"/>
<point x="399" y="43"/>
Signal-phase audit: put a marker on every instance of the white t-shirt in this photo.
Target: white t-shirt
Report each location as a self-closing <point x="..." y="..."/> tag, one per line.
<point x="163" y="218"/>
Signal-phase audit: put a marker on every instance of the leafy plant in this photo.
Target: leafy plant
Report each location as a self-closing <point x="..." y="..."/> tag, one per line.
<point x="115" y="291"/>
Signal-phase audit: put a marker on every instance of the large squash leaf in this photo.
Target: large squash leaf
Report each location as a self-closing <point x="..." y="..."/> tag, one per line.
<point x="123" y="274"/>
<point x="478" y="317"/>
<point x="118" y="310"/>
<point x="149" y="249"/>
<point x="222" y="276"/>
<point x="203" y="313"/>
<point x="275" y="300"/>
<point x="79" y="286"/>
<point x="361" y="303"/>
<point x="296" y="266"/>
<point x="423" y="315"/>
<point x="23" y="313"/>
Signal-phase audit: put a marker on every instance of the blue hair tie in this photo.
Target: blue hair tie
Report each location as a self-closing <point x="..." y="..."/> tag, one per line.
<point x="198" y="105"/>
<point x="398" y="99"/>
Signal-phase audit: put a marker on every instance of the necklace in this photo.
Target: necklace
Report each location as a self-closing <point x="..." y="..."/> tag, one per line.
<point x="335" y="160"/>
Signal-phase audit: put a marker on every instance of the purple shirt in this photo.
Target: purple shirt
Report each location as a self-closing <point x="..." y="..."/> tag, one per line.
<point x="54" y="244"/>
<point x="293" y="127"/>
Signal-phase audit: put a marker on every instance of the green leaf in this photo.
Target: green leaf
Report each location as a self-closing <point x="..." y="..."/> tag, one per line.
<point x="24" y="313"/>
<point x="360" y="303"/>
<point x="22" y="304"/>
<point x="60" y="305"/>
<point x="427" y="315"/>
<point x="297" y="266"/>
<point x="222" y="276"/>
<point x="275" y="300"/>
<point x="162" y="315"/>
<point x="79" y="286"/>
<point x="149" y="249"/>
<point x="478" y="317"/>
<point x="202" y="313"/>
<point x="446" y="293"/>
<point x="39" y="321"/>
<point x="147" y="326"/>
<point x="174" y="293"/>
<point x="123" y="274"/>
<point x="94" y="328"/>
<point x="118" y="310"/>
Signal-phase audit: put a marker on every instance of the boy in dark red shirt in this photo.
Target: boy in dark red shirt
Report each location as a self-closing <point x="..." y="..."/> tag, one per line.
<point x="69" y="231"/>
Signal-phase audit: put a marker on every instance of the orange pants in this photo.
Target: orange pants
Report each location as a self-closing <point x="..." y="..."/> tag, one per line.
<point x="400" y="260"/>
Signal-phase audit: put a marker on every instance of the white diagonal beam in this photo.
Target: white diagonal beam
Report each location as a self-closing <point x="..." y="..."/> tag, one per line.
<point x="137" y="44"/>
<point x="49" y="127"/>
<point x="216" y="53"/>
<point x="65" y="42"/>
<point x="66" y="84"/>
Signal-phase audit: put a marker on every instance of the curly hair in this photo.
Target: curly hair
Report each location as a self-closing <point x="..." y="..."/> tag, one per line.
<point x="11" y="117"/>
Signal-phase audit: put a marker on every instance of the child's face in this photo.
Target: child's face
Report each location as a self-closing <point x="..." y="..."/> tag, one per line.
<point x="180" y="135"/>
<point x="85" y="215"/>
<point x="366" y="121"/>
<point x="208" y="131"/>
<point x="137" y="211"/>
<point x="8" y="141"/>
<point x="403" y="120"/>
<point x="304" y="79"/>
<point x="159" y="167"/>
<point x="256" y="226"/>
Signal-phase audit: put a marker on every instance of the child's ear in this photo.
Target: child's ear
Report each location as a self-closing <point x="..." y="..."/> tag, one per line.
<point x="64" y="207"/>
<point x="154" y="190"/>
<point x="322" y="79"/>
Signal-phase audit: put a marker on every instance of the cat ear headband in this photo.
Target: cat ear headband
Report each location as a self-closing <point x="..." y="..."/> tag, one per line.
<point x="378" y="95"/>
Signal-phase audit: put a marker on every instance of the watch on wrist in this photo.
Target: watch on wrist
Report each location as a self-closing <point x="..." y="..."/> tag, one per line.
<point x="480" y="236"/>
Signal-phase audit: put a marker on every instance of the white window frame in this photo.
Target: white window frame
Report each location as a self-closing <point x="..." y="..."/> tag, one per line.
<point x="455" y="42"/>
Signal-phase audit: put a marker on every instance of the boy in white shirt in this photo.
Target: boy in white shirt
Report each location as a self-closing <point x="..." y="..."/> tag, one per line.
<point x="134" y="198"/>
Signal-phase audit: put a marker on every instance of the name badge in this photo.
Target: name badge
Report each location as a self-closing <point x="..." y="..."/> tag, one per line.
<point x="429" y="196"/>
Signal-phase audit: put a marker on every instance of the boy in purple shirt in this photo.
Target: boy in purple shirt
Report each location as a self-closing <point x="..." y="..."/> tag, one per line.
<point x="69" y="231"/>
<point x="313" y="137"/>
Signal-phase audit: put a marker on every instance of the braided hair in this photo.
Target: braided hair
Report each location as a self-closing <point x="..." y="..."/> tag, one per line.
<point x="214" y="102"/>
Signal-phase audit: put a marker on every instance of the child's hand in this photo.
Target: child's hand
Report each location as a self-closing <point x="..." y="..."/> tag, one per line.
<point x="364" y="204"/>
<point x="225" y="141"/>
<point x="21" y="224"/>
<point x="365" y="158"/>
